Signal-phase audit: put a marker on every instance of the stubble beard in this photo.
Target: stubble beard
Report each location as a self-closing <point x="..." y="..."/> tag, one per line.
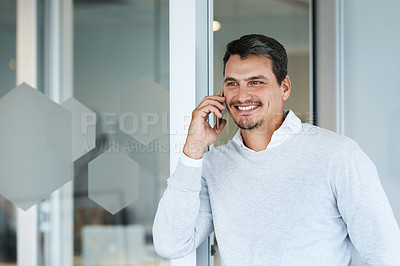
<point x="248" y="122"/>
<point x="249" y="125"/>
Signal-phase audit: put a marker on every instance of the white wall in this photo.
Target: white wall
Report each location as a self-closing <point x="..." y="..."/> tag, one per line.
<point x="372" y="90"/>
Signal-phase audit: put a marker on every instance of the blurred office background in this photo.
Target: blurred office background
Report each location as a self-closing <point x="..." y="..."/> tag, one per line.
<point x="8" y="237"/>
<point x="122" y="46"/>
<point x="289" y="22"/>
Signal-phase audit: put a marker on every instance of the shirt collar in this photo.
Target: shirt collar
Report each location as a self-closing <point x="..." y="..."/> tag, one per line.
<point x="291" y="125"/>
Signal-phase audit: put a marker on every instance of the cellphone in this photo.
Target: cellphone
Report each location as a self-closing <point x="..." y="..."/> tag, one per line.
<point x="219" y="120"/>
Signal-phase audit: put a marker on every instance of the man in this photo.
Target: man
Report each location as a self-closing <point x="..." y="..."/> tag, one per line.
<point x="280" y="192"/>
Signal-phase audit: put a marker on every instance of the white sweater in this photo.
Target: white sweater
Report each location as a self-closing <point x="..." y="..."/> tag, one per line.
<point x="304" y="200"/>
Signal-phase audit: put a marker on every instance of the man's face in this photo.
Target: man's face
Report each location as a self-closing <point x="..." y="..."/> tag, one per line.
<point x="253" y="96"/>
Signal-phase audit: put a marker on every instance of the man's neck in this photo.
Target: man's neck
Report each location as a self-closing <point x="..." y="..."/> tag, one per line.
<point x="258" y="139"/>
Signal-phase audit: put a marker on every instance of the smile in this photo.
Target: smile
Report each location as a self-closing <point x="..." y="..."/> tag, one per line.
<point x="245" y="108"/>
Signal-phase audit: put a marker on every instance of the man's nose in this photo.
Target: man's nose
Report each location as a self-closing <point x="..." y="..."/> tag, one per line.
<point x="243" y="94"/>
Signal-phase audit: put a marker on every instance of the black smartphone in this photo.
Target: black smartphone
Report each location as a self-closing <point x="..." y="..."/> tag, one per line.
<point x="219" y="120"/>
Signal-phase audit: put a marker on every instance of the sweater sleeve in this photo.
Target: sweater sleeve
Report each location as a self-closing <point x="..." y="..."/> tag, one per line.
<point x="183" y="219"/>
<point x="364" y="207"/>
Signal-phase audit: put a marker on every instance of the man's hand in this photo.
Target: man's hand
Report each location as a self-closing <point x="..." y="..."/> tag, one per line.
<point x="201" y="134"/>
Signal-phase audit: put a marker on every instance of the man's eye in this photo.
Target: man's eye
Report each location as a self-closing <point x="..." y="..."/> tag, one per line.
<point x="231" y="84"/>
<point x="256" y="82"/>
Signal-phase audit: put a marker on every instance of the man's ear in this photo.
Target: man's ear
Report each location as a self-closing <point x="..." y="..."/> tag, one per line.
<point x="285" y="86"/>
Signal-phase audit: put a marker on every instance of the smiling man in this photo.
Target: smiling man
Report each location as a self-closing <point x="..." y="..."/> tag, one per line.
<point x="280" y="192"/>
<point x="255" y="96"/>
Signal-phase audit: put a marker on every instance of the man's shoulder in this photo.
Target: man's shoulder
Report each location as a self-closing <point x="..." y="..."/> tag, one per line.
<point x="325" y="139"/>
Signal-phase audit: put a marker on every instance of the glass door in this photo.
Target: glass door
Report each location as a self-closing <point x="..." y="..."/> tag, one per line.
<point x="107" y="63"/>
<point x="121" y="76"/>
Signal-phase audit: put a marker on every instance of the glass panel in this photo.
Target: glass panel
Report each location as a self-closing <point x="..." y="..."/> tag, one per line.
<point x="121" y="72"/>
<point x="8" y="239"/>
<point x="286" y="21"/>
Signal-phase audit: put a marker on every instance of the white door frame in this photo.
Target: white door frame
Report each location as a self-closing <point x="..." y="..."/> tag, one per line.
<point x="329" y="65"/>
<point x="27" y="233"/>
<point x="191" y="79"/>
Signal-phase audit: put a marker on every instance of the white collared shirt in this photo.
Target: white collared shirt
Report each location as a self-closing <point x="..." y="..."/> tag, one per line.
<point x="291" y="125"/>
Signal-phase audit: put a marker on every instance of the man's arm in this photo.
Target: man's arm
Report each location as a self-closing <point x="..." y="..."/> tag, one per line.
<point x="183" y="219"/>
<point x="366" y="211"/>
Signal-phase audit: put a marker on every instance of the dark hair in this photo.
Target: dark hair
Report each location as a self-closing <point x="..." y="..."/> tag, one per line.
<point x="260" y="45"/>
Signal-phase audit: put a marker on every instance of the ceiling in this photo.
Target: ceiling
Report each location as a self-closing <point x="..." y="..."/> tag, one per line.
<point x="89" y="11"/>
<point x="143" y="10"/>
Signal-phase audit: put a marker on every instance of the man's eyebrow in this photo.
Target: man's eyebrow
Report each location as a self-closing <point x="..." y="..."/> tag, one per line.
<point x="256" y="77"/>
<point x="247" y="79"/>
<point x="229" y="79"/>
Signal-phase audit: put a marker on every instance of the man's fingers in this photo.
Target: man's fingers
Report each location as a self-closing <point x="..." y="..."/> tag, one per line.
<point x="213" y="98"/>
<point x="215" y="103"/>
<point x="206" y="110"/>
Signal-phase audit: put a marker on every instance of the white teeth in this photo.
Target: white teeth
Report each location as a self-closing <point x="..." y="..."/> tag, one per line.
<point x="244" y="108"/>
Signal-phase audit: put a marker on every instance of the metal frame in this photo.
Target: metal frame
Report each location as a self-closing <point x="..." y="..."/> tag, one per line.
<point x="204" y="87"/>
<point x="58" y="85"/>
<point x="313" y="117"/>
<point x="210" y="69"/>
<point x="328" y="60"/>
<point x="339" y="67"/>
